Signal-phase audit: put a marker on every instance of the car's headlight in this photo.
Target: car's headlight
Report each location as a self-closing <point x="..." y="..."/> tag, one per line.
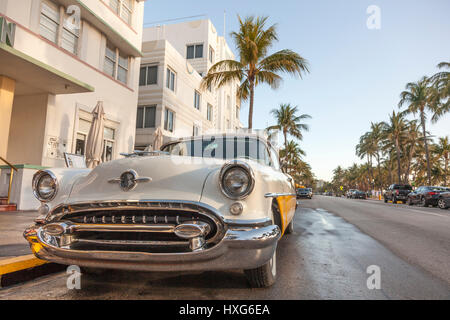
<point x="45" y="185"/>
<point x="236" y="180"/>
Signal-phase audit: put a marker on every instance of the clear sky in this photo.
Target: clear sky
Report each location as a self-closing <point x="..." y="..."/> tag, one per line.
<point x="356" y="74"/>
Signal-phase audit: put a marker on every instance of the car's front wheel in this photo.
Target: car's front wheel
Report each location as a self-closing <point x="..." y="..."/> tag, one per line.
<point x="264" y="276"/>
<point x="409" y="202"/>
<point x="441" y="204"/>
<point x="423" y="202"/>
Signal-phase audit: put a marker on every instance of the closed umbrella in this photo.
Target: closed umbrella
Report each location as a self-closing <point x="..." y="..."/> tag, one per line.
<point x="158" y="140"/>
<point x="94" y="143"/>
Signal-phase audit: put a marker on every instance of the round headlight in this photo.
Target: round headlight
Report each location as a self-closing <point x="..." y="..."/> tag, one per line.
<point x="45" y="186"/>
<point x="236" y="180"/>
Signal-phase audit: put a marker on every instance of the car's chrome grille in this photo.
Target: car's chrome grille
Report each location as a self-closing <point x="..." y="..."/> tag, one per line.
<point x="136" y="226"/>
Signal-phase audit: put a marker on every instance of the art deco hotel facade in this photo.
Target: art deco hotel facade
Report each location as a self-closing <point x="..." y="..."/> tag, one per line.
<point x="58" y="58"/>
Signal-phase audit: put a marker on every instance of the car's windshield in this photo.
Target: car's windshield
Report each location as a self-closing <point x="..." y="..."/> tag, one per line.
<point x="222" y="148"/>
<point x="402" y="187"/>
<point x="436" y="188"/>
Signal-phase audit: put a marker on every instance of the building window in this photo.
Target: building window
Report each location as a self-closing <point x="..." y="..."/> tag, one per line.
<point x="146" y="117"/>
<point x="50" y="21"/>
<point x="237" y="113"/>
<point x="169" y="118"/>
<point x="171" y="78"/>
<point x="123" y="8"/>
<point x="194" y="51"/>
<point x="122" y="69"/>
<point x="108" y="140"/>
<point x="209" y="112"/>
<point x="211" y="54"/>
<point x="148" y="75"/>
<point x="80" y="144"/>
<point x="197" y="98"/>
<point x="195" y="130"/>
<point x="110" y="61"/>
<point x="116" y="64"/>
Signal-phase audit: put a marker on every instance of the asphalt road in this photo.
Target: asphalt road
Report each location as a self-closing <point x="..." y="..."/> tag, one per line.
<point x="327" y="257"/>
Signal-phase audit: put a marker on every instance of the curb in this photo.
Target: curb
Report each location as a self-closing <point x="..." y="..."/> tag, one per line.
<point x="24" y="268"/>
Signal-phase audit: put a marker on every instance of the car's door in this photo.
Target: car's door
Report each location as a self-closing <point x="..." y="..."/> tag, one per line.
<point x="413" y="195"/>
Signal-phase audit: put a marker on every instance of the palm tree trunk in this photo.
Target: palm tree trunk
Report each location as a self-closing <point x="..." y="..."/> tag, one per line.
<point x="427" y="154"/>
<point x="408" y="169"/>
<point x="285" y="147"/>
<point x="446" y="171"/>
<point x="380" y="178"/>
<point x="399" y="172"/>
<point x="250" y="109"/>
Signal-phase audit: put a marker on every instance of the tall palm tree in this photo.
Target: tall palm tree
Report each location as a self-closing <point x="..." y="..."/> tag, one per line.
<point x="289" y="123"/>
<point x="292" y="154"/>
<point x="441" y="84"/>
<point x="395" y="131"/>
<point x="418" y="98"/>
<point x="253" y="41"/>
<point x="442" y="151"/>
<point x="377" y="138"/>
<point x="365" y="149"/>
<point x="412" y="138"/>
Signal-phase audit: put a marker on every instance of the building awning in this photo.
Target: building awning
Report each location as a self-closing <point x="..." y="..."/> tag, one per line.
<point x="33" y="76"/>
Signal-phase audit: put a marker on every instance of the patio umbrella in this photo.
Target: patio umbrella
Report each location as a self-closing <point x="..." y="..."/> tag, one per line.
<point x="94" y="143"/>
<point x="158" y="140"/>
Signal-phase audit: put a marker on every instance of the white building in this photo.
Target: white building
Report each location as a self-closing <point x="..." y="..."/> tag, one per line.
<point x="175" y="57"/>
<point x="58" y="58"/>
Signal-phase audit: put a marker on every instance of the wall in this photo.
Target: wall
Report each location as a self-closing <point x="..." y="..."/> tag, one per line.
<point x="26" y="134"/>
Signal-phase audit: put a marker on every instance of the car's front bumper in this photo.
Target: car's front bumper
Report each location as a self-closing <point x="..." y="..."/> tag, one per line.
<point x="240" y="248"/>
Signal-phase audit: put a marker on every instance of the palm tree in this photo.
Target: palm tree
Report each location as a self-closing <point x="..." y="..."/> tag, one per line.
<point x="442" y="152"/>
<point x="419" y="98"/>
<point x="255" y="67"/>
<point x="394" y="132"/>
<point x="292" y="154"/>
<point x="441" y="84"/>
<point x="289" y="122"/>
<point x="412" y="138"/>
<point x="365" y="149"/>
<point x="377" y="138"/>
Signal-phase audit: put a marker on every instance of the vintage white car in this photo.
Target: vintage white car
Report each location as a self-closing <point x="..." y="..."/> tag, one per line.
<point x="202" y="203"/>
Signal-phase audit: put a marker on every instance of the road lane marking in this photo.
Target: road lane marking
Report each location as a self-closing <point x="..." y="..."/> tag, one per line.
<point x="405" y="208"/>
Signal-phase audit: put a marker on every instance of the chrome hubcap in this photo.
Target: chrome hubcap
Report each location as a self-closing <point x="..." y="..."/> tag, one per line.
<point x="441" y="204"/>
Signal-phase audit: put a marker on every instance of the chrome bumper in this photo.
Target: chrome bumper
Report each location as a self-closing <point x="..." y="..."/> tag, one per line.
<point x="240" y="248"/>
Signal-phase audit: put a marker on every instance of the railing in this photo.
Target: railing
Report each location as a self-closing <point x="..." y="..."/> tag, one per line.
<point x="11" y="175"/>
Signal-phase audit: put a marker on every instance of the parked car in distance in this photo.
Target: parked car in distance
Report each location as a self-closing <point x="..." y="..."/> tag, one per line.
<point x="358" y="194"/>
<point x="397" y="192"/>
<point x="348" y="194"/>
<point x="304" y="193"/>
<point x="189" y="207"/>
<point x="444" y="199"/>
<point x="425" y="196"/>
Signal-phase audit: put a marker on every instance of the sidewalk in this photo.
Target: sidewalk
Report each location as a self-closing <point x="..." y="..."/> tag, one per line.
<point x="12" y="225"/>
<point x="17" y="263"/>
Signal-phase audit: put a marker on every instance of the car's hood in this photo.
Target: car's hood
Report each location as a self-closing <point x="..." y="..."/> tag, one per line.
<point x="172" y="178"/>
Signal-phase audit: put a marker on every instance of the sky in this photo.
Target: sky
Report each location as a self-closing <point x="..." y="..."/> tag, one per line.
<point x="356" y="73"/>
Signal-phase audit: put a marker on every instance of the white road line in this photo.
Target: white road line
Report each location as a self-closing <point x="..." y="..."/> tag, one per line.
<point x="411" y="210"/>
